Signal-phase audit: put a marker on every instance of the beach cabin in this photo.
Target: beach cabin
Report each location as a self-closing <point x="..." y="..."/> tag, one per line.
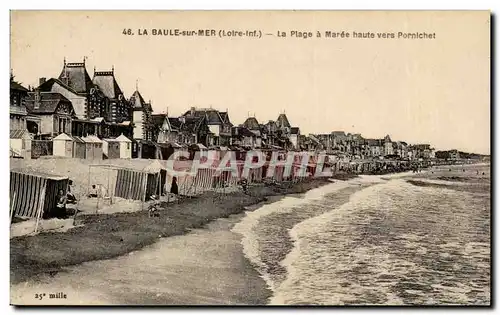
<point x="118" y="148"/>
<point x="35" y="193"/>
<point x="79" y="148"/>
<point x="93" y="148"/>
<point x="20" y="144"/>
<point x="63" y="145"/>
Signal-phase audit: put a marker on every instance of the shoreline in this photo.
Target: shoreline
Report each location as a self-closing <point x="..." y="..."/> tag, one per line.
<point x="106" y="236"/>
<point x="206" y="266"/>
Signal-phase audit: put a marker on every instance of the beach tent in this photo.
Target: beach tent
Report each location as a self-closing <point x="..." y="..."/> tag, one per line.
<point x="63" y="145"/>
<point x="157" y="178"/>
<point x="140" y="185"/>
<point x="34" y="194"/>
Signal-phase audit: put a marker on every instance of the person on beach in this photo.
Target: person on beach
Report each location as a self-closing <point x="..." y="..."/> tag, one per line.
<point x="244" y="185"/>
<point x="70" y="197"/>
<point x="61" y="204"/>
<point x="174" y="189"/>
<point x="93" y="192"/>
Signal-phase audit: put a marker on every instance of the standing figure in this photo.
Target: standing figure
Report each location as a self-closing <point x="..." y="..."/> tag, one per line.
<point x="70" y="197"/>
<point x="174" y="189"/>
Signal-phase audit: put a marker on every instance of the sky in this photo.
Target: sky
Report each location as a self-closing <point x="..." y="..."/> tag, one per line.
<point x="433" y="91"/>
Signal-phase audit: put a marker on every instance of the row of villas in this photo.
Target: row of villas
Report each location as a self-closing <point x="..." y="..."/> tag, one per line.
<point x="354" y="145"/>
<point x="78" y="105"/>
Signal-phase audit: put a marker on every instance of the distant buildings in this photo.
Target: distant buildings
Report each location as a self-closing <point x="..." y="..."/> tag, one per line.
<point x="79" y="105"/>
<point x="142" y="117"/>
<point x="17" y="109"/>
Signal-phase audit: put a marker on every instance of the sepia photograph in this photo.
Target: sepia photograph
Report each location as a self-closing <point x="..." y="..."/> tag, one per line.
<point x="250" y="158"/>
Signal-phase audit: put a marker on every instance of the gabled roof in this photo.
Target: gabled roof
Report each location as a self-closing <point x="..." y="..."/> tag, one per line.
<point x="106" y="81"/>
<point x="47" y="86"/>
<point x="122" y="138"/>
<point x="137" y="101"/>
<point x="91" y="139"/>
<point x="75" y="75"/>
<point x="175" y="122"/>
<point x="225" y="117"/>
<point x="63" y="136"/>
<point x="192" y="124"/>
<point x="251" y="123"/>
<point x="282" y="121"/>
<point x="158" y="119"/>
<point x="49" y="102"/>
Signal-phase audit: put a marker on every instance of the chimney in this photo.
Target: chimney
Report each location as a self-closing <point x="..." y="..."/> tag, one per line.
<point x="37" y="99"/>
<point x="193" y="109"/>
<point x="42" y="81"/>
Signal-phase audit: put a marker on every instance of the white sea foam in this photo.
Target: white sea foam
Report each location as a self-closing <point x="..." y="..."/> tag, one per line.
<point x="246" y="226"/>
<point x="390" y="244"/>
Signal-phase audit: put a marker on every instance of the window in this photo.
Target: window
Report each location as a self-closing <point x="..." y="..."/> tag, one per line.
<point x="128" y="146"/>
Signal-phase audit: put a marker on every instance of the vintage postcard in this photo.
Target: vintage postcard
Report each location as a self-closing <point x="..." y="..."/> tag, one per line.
<point x="250" y="158"/>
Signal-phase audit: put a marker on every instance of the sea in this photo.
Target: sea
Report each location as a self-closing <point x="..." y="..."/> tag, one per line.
<point x="401" y="239"/>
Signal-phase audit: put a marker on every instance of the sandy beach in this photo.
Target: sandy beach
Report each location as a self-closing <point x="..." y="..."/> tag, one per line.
<point x="205" y="266"/>
<point x="205" y="262"/>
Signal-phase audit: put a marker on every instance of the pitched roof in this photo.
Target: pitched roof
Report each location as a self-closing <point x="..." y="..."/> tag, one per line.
<point x="282" y="121"/>
<point x="16" y="86"/>
<point x="192" y="124"/>
<point x="106" y="81"/>
<point x="49" y="101"/>
<point x="63" y="136"/>
<point x="175" y="122"/>
<point x="212" y="115"/>
<point x="225" y="117"/>
<point x="373" y="142"/>
<point x="18" y="134"/>
<point x="339" y="134"/>
<point x="158" y="119"/>
<point x="137" y="101"/>
<point x="243" y="131"/>
<point x="75" y="75"/>
<point x="251" y="123"/>
<point x="91" y="139"/>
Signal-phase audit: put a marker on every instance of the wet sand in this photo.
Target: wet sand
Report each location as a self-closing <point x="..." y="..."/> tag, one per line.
<point x="204" y="267"/>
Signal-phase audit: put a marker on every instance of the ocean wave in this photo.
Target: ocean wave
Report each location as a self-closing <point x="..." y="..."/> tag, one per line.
<point x="391" y="244"/>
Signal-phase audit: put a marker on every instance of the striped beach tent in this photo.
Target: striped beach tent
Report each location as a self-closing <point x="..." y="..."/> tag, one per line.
<point x="205" y="179"/>
<point x="131" y="184"/>
<point x="32" y="191"/>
